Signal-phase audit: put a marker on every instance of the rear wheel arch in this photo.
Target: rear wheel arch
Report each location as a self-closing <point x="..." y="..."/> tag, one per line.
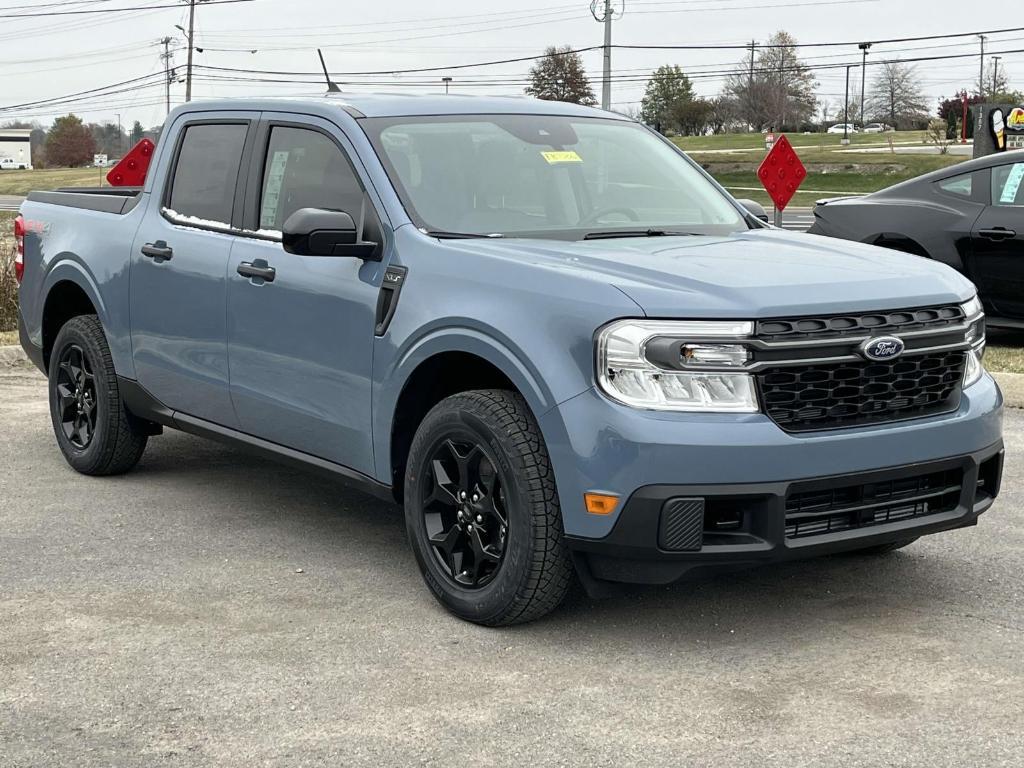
<point x="899" y="242"/>
<point x="65" y="300"/>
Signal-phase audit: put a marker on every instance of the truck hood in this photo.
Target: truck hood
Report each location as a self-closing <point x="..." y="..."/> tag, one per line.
<point x="755" y="274"/>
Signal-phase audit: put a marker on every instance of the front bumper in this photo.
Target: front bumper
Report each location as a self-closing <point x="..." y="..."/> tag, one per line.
<point x="667" y="531"/>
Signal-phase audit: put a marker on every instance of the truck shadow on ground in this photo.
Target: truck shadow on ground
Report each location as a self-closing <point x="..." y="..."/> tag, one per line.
<point x="324" y="519"/>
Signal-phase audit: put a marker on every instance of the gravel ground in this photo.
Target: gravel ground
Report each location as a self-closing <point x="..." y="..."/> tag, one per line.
<point x="215" y="609"/>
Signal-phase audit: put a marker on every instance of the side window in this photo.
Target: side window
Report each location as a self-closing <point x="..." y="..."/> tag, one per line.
<point x="305" y="169"/>
<point x="961" y="186"/>
<point x="1007" y="188"/>
<point x="206" y="175"/>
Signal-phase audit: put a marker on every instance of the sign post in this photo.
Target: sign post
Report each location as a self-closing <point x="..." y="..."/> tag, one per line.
<point x="781" y="173"/>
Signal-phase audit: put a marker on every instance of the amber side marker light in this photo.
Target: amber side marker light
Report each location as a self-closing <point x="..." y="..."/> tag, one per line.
<point x="600" y="503"/>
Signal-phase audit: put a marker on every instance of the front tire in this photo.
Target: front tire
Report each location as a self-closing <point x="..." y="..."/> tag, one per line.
<point x="94" y="430"/>
<point x="482" y="512"/>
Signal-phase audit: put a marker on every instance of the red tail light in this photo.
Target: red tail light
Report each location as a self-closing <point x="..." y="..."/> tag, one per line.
<point x="19" y="239"/>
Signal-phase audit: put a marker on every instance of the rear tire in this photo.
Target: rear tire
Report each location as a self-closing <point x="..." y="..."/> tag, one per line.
<point x="94" y="430"/>
<point x="482" y="512"/>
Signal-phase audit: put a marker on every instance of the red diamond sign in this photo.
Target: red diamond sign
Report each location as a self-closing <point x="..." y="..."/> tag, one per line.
<point x="131" y="171"/>
<point x="781" y="173"/>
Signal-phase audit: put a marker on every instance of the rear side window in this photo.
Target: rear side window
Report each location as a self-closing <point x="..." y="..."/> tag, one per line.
<point x="206" y="175"/>
<point x="305" y="169"/>
<point x="1007" y="186"/>
<point x="961" y="186"/>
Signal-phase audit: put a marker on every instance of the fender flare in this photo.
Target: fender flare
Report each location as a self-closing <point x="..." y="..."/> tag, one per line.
<point x="67" y="268"/>
<point x="485" y="344"/>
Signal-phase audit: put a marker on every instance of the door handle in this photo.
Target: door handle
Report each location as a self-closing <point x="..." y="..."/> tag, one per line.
<point x="259" y="269"/>
<point x="160" y="251"/>
<point x="997" y="233"/>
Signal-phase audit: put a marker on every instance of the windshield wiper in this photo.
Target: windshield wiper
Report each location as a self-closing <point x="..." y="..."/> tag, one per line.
<point x="610" y="234"/>
<point x="443" y="235"/>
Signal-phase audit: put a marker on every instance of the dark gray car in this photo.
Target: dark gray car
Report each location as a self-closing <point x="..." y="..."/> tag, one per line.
<point x="970" y="216"/>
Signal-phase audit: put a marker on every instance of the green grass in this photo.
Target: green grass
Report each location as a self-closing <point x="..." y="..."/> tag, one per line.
<point x="824" y="140"/>
<point x="23" y="182"/>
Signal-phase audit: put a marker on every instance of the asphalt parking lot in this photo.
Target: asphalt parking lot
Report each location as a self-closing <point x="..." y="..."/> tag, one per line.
<point x="215" y="609"/>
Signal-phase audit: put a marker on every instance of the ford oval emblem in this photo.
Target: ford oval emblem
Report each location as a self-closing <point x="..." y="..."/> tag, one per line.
<point x="882" y="348"/>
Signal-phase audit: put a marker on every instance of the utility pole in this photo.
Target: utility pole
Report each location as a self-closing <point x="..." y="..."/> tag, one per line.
<point x="166" y="56"/>
<point x="606" y="19"/>
<point x="120" y="147"/>
<point x="863" y="78"/>
<point x="191" y="37"/>
<point x="981" y="69"/>
<point x="995" y="74"/>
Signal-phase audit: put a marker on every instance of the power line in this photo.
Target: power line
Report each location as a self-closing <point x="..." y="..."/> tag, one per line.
<point x="48" y="14"/>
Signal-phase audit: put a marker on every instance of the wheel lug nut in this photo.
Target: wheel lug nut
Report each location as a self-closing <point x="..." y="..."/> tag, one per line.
<point x="479" y="518"/>
<point x="469" y="528"/>
<point x="462" y="495"/>
<point x="476" y="497"/>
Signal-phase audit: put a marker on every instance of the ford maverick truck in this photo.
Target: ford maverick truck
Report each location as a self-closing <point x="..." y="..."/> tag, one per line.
<point x="542" y="329"/>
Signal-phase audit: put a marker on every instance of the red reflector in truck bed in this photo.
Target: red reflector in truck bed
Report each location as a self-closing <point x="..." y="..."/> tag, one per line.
<point x="131" y="171"/>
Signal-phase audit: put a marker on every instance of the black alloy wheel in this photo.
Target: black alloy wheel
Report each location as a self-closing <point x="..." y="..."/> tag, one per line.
<point x="77" y="400"/>
<point x="464" y="512"/>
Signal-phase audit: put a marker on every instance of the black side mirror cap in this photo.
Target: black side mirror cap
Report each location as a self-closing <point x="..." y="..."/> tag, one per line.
<point x="322" y="232"/>
<point x="755" y="209"/>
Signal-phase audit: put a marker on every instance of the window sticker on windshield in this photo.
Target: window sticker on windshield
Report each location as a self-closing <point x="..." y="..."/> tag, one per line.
<point x="1009" y="196"/>
<point x="561" y="157"/>
<point x="272" y="189"/>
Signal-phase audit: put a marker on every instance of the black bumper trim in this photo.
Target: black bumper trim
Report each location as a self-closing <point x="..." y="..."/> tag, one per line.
<point x="631" y="552"/>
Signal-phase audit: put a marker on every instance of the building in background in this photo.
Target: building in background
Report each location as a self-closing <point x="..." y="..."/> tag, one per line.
<point x="16" y="146"/>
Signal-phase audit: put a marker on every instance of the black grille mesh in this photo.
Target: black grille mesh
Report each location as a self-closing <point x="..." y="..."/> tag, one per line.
<point x="829" y="510"/>
<point x="874" y="323"/>
<point x="813" y="396"/>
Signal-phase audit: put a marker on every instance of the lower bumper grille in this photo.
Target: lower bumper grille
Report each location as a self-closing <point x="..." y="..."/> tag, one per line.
<point x="829" y="510"/>
<point x="817" y="396"/>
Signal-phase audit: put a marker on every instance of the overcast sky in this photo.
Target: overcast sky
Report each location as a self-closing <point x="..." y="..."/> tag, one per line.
<point x="42" y="58"/>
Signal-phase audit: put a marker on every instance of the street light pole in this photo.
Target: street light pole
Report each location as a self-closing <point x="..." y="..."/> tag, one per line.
<point x="995" y="74"/>
<point x="846" y="107"/>
<point x="191" y="35"/>
<point x="863" y="78"/>
<point x="120" y="146"/>
<point x="446" y="80"/>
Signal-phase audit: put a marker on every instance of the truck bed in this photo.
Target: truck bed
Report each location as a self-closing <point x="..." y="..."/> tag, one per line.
<point x="117" y="200"/>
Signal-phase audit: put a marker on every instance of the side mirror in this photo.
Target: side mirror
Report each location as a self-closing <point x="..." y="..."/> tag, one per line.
<point x="320" y="232"/>
<point x="755" y="208"/>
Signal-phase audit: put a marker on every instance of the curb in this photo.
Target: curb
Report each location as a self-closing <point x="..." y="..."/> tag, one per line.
<point x="13" y="353"/>
<point x="1012" y="384"/>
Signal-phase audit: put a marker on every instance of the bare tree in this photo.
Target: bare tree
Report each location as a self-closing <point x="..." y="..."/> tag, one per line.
<point x="896" y="96"/>
<point x="779" y="90"/>
<point x="560" y="76"/>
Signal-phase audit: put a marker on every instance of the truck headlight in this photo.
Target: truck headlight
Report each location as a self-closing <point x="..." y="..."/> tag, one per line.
<point x="662" y="381"/>
<point x="975" y="336"/>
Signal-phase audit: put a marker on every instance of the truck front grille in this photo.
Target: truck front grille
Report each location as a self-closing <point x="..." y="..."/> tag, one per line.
<point x="811" y="374"/>
<point x="860" y="505"/>
<point x="810" y="397"/>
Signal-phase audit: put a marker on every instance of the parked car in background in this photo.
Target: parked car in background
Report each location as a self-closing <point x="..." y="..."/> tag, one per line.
<point x="877" y="128"/>
<point x="538" y="326"/>
<point x="843" y="128"/>
<point x="969" y="216"/>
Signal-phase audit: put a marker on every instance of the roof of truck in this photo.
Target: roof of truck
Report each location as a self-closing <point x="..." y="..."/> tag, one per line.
<point x="404" y="105"/>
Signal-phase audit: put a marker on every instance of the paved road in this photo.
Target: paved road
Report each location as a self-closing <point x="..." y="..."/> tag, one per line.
<point x="10" y="202"/>
<point x="159" y="619"/>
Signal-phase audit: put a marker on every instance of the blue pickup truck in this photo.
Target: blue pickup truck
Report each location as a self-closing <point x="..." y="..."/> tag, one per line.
<point x="540" y="327"/>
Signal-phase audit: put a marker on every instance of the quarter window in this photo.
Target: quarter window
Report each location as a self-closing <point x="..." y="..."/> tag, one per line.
<point x="1008" y="185"/>
<point x="206" y="175"/>
<point x="305" y="169"/>
<point x="961" y="186"/>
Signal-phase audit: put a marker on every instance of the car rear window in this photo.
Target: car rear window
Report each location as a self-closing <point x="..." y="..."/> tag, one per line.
<point x="206" y="174"/>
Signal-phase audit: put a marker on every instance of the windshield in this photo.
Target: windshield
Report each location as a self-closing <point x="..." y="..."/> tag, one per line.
<point x="545" y="176"/>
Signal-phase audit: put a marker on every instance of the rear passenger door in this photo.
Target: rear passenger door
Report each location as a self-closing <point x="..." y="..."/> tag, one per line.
<point x="179" y="262"/>
<point x="300" y="344"/>
<point x="997" y="242"/>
